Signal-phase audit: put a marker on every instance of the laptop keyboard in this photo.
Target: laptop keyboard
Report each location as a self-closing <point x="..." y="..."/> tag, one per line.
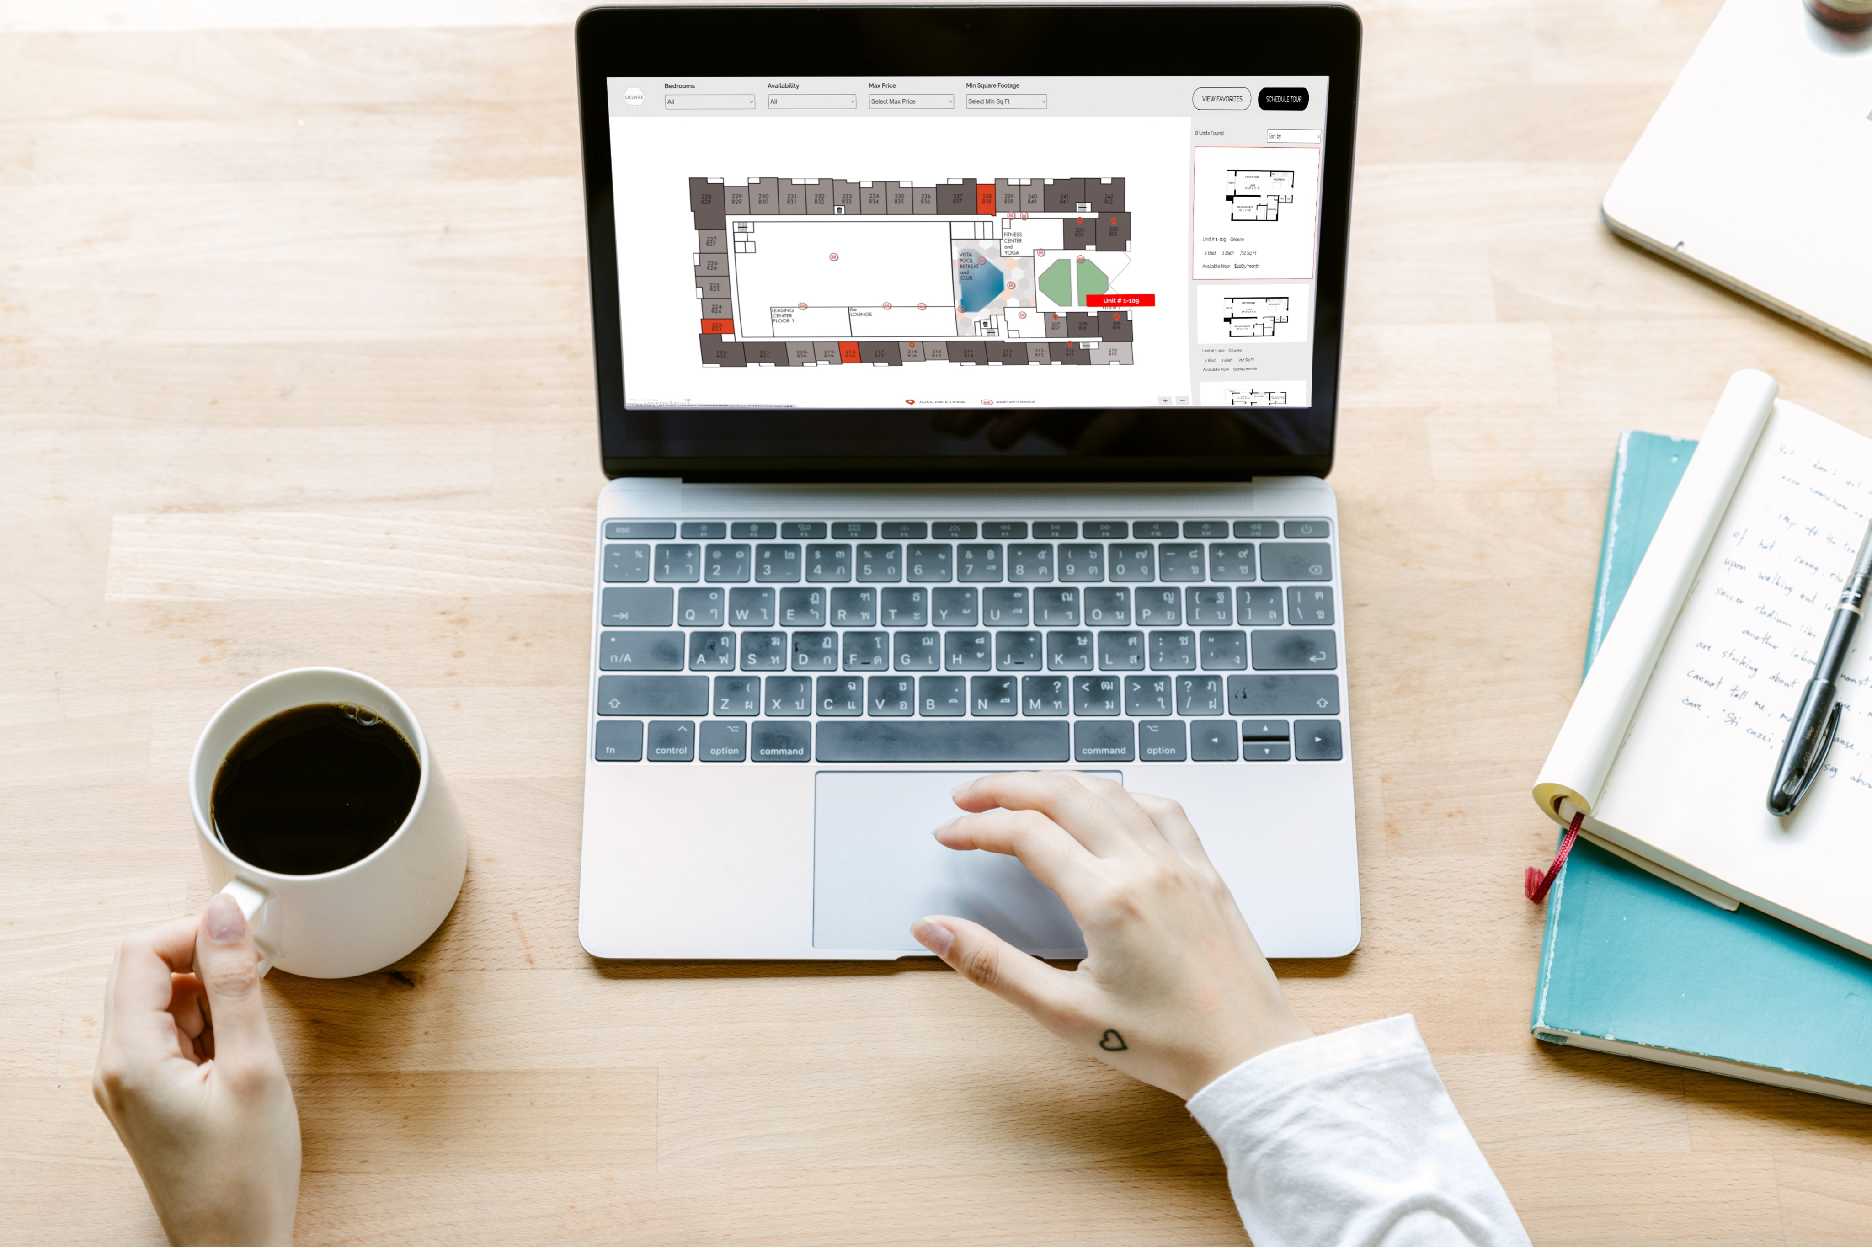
<point x="952" y="641"/>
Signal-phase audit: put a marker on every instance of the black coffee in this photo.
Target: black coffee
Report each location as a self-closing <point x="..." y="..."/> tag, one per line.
<point x="314" y="789"/>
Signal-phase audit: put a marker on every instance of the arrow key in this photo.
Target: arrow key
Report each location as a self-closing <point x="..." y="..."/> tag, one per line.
<point x="1318" y="740"/>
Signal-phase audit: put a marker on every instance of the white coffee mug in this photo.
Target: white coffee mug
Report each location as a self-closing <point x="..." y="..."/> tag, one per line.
<point x="361" y="917"/>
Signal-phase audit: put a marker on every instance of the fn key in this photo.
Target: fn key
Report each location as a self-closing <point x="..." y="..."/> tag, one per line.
<point x="618" y="741"/>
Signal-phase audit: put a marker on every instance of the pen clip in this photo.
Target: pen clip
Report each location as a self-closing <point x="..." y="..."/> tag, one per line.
<point x="1810" y="770"/>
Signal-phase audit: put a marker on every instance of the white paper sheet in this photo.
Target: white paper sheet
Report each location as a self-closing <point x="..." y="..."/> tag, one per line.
<point x="1589" y="741"/>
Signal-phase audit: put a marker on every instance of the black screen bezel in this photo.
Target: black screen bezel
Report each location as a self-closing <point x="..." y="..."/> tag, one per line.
<point x="929" y="40"/>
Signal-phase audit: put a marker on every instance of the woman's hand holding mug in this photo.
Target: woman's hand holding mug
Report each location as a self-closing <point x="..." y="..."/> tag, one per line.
<point x="189" y="1075"/>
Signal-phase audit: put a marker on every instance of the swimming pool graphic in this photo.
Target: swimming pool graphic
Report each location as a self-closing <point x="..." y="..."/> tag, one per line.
<point x="979" y="280"/>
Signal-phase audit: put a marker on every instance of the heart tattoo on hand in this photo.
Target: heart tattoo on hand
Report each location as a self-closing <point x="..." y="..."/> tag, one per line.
<point x="1112" y="1042"/>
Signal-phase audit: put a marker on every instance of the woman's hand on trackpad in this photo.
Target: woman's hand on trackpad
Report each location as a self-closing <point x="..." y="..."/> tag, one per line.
<point x="1173" y="989"/>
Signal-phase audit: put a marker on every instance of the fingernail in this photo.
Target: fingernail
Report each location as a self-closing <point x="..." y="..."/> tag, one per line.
<point x="933" y="936"/>
<point x="945" y="825"/>
<point x="224" y="921"/>
<point x="962" y="788"/>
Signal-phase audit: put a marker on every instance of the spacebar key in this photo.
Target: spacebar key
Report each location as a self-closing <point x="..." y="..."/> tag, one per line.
<point x="893" y="741"/>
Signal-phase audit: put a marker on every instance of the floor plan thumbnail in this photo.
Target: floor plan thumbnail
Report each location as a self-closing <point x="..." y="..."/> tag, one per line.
<point x="1257" y="194"/>
<point x="1257" y="398"/>
<point x="1255" y="214"/>
<point x="1256" y="317"/>
<point x="1249" y="316"/>
<point x="815" y="272"/>
<point x="1272" y="392"/>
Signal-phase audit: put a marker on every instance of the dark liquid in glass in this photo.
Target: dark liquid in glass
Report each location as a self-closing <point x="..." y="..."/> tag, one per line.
<point x="314" y="789"/>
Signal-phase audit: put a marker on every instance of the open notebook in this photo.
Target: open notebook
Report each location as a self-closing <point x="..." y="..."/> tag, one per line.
<point x="1671" y="743"/>
<point x="1733" y="992"/>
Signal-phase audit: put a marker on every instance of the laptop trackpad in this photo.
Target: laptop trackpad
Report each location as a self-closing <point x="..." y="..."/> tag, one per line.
<point x="877" y="869"/>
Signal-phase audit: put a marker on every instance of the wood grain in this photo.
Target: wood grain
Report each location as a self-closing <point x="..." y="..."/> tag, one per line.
<point x="296" y="369"/>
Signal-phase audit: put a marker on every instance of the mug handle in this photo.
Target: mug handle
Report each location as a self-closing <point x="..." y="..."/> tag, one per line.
<point x="258" y="908"/>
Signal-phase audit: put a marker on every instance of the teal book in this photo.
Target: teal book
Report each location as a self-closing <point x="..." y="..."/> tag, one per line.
<point x="1634" y="965"/>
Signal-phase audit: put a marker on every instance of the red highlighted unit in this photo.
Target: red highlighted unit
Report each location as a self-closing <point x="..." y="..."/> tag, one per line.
<point x="849" y="354"/>
<point x="1121" y="301"/>
<point x="718" y="325"/>
<point x="984" y="199"/>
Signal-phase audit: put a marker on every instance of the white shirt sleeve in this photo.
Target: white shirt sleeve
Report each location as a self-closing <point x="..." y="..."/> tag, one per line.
<point x="1350" y="1138"/>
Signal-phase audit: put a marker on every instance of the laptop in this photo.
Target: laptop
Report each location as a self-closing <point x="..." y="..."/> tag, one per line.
<point x="967" y="380"/>
<point x="1802" y="131"/>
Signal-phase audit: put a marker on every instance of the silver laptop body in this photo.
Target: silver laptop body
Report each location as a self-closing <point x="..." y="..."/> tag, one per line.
<point x="814" y="615"/>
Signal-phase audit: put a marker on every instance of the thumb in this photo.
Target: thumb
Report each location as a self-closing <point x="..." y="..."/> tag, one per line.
<point x="227" y="961"/>
<point x="984" y="959"/>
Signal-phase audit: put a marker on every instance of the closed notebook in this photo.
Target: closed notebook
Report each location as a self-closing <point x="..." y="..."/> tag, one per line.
<point x="1635" y="965"/>
<point x="1671" y="743"/>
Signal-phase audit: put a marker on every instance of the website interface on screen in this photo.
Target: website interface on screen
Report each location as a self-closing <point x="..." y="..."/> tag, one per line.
<point x="1071" y="242"/>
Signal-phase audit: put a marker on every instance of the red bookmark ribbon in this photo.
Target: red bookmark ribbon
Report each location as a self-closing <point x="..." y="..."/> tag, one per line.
<point x="1534" y="883"/>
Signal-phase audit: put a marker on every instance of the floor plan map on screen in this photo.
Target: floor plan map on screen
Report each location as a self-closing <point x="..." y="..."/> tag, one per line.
<point x="815" y="272"/>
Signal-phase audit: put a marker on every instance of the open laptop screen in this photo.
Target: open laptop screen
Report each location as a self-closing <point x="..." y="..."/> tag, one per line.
<point x="960" y="248"/>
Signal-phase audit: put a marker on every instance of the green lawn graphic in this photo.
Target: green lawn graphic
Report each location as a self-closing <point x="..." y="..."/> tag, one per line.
<point x="1056" y="283"/>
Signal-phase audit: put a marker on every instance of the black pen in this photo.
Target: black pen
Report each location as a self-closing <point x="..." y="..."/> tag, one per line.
<point x="1817" y="721"/>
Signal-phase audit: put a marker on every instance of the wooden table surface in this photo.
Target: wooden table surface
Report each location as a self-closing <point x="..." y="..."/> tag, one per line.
<point x="295" y="369"/>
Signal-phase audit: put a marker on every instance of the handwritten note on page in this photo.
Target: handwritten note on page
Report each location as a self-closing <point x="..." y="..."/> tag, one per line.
<point x="1692" y="776"/>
